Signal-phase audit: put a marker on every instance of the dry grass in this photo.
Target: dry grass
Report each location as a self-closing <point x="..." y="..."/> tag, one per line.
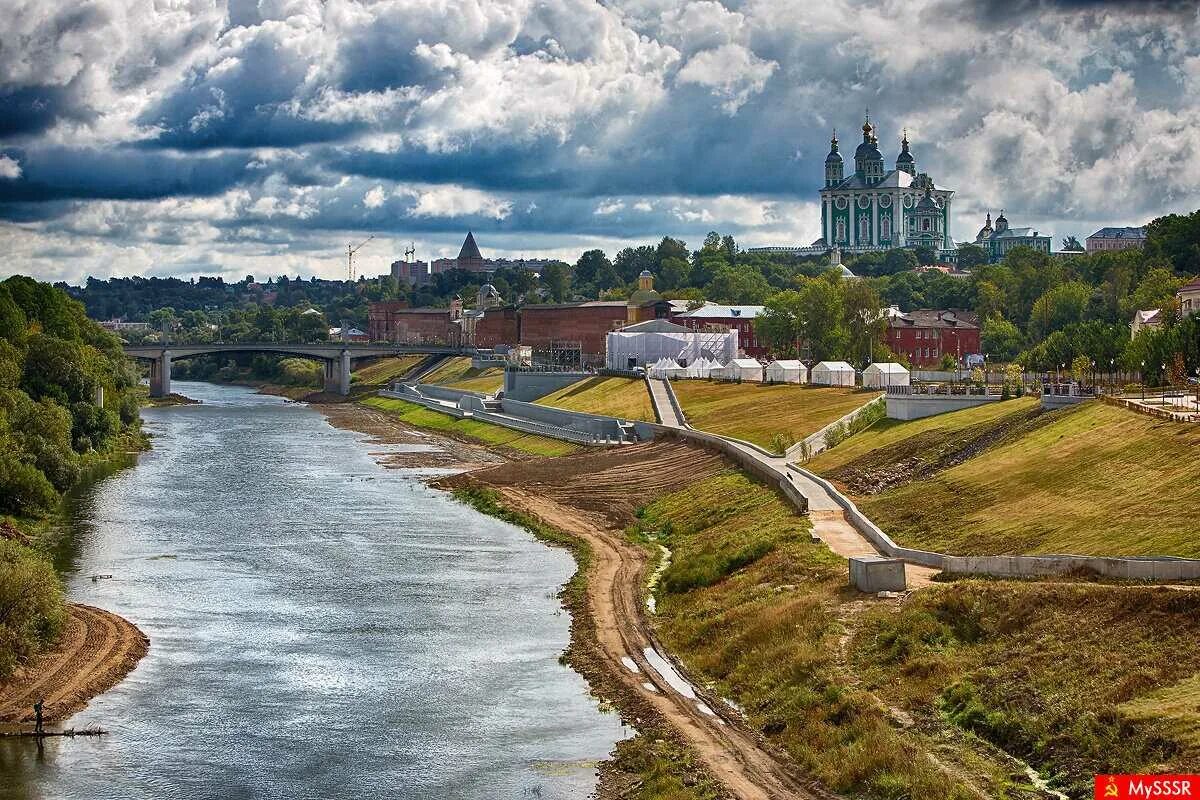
<point x="626" y="398"/>
<point x="1176" y="708"/>
<point x="382" y="371"/>
<point x="458" y="373"/>
<point x="1078" y="679"/>
<point x="1091" y="480"/>
<point x="750" y="604"/>
<point x="759" y="413"/>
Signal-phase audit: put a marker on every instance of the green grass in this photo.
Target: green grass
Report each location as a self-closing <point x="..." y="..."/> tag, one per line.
<point x="1077" y="679"/>
<point x="626" y="398"/>
<point x="383" y="371"/>
<point x="458" y="373"/>
<point x="1092" y="480"/>
<point x="751" y="606"/>
<point x="470" y="429"/>
<point x="767" y="415"/>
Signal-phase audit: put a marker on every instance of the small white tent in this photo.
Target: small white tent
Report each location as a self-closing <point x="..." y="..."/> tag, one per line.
<point x="787" y="372"/>
<point x="883" y="375"/>
<point x="832" y="373"/>
<point x="742" y="369"/>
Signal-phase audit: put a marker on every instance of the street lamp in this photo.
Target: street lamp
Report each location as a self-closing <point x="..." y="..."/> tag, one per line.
<point x="1142" y="376"/>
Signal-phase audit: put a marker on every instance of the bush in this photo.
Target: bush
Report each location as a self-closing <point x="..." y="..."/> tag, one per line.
<point x="32" y="609"/>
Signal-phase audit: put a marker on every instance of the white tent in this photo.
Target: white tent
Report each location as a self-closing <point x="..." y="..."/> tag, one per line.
<point x="832" y="373"/>
<point x="742" y="369"/>
<point x="646" y="343"/>
<point x="786" y="372"/>
<point x="665" y="368"/>
<point x="883" y="375"/>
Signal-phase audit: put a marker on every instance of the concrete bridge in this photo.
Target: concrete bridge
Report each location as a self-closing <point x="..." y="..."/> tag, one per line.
<point x="336" y="356"/>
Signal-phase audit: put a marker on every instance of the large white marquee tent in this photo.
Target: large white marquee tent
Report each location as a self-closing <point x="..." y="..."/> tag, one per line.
<point x="832" y="373"/>
<point x="787" y="371"/>
<point x="885" y="374"/>
<point x="646" y="343"/>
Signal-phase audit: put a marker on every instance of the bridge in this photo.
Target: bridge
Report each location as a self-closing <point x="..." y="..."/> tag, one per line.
<point x="336" y="356"/>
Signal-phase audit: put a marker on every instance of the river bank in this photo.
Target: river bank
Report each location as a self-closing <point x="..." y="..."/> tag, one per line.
<point x="96" y="651"/>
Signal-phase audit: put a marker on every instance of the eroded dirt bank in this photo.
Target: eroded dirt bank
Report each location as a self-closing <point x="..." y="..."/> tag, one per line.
<point x="97" y="650"/>
<point x="593" y="496"/>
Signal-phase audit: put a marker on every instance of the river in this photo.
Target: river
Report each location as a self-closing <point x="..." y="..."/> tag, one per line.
<point x="320" y="627"/>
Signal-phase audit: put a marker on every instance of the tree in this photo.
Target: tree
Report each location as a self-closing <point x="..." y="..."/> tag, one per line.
<point x="12" y="318"/>
<point x="630" y="262"/>
<point x="1059" y="307"/>
<point x="1001" y="339"/>
<point x="673" y="273"/>
<point x="899" y="260"/>
<point x="556" y="277"/>
<point x="971" y="256"/>
<point x="864" y="319"/>
<point x="1071" y="244"/>
<point x="1176" y="237"/>
<point x="1156" y="290"/>
<point x="989" y="300"/>
<point x="822" y="325"/>
<point x="926" y="254"/>
<point x="738" y="285"/>
<point x="591" y="264"/>
<point x="779" y="326"/>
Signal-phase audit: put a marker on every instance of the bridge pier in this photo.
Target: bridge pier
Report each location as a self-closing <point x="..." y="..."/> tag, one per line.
<point x="337" y="374"/>
<point x="160" y="375"/>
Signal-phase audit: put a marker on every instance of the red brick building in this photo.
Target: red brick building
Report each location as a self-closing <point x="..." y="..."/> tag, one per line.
<point x="393" y="321"/>
<point x="498" y="326"/>
<point x="923" y="337"/>
<point x="738" y="318"/>
<point x="586" y="323"/>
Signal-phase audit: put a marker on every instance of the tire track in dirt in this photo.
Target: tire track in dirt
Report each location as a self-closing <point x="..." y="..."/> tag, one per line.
<point x="97" y="649"/>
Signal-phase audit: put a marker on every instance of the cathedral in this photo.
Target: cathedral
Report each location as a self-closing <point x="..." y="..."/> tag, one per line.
<point x="878" y="209"/>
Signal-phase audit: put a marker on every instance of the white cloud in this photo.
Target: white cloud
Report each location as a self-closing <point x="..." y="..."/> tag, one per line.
<point x="609" y="207"/>
<point x="375" y="197"/>
<point x="731" y="71"/>
<point x="10" y="168"/>
<point x="456" y="201"/>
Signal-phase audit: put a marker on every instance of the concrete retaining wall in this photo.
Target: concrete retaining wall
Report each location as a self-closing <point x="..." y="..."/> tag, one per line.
<point x="446" y="393"/>
<point x="604" y="427"/>
<point x="756" y="468"/>
<point x="526" y="386"/>
<point x="918" y="406"/>
<point x="1052" y="401"/>
<point x="814" y="443"/>
<point x="1161" y="568"/>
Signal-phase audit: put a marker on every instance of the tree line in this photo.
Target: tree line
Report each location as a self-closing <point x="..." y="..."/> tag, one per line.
<point x="68" y="399"/>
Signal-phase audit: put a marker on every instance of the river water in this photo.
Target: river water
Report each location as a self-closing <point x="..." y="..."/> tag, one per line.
<point x="320" y="627"/>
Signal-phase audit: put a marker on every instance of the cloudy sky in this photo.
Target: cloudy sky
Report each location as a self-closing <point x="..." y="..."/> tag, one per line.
<point x="185" y="137"/>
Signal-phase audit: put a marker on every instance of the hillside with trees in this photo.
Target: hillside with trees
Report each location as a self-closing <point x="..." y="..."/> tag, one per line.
<point x="68" y="400"/>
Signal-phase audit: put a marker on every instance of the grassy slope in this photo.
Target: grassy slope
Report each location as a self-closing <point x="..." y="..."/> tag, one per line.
<point x="1093" y="480"/>
<point x="469" y="429"/>
<point x="757" y="412"/>
<point x="749" y="604"/>
<point x="626" y="398"/>
<point x="384" y="370"/>
<point x="1075" y="678"/>
<point x="457" y="373"/>
<point x="1052" y="673"/>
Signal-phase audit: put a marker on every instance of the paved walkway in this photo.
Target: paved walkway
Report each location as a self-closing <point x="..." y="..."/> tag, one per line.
<point x="827" y="515"/>
<point x="660" y="395"/>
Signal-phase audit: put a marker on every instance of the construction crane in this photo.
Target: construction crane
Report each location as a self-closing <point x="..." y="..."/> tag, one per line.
<point x="350" y="251"/>
<point x="410" y="251"/>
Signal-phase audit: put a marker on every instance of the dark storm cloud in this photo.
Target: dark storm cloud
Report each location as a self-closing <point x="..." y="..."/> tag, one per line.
<point x="56" y="173"/>
<point x="255" y="126"/>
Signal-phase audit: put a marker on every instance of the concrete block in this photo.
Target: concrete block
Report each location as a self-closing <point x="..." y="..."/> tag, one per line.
<point x="873" y="574"/>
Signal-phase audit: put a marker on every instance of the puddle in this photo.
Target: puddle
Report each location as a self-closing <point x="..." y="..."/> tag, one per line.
<point x="629" y="664"/>
<point x="668" y="673"/>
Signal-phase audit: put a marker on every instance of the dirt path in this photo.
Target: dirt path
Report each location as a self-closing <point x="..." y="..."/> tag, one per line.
<point x="616" y="575"/>
<point x="96" y="651"/>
